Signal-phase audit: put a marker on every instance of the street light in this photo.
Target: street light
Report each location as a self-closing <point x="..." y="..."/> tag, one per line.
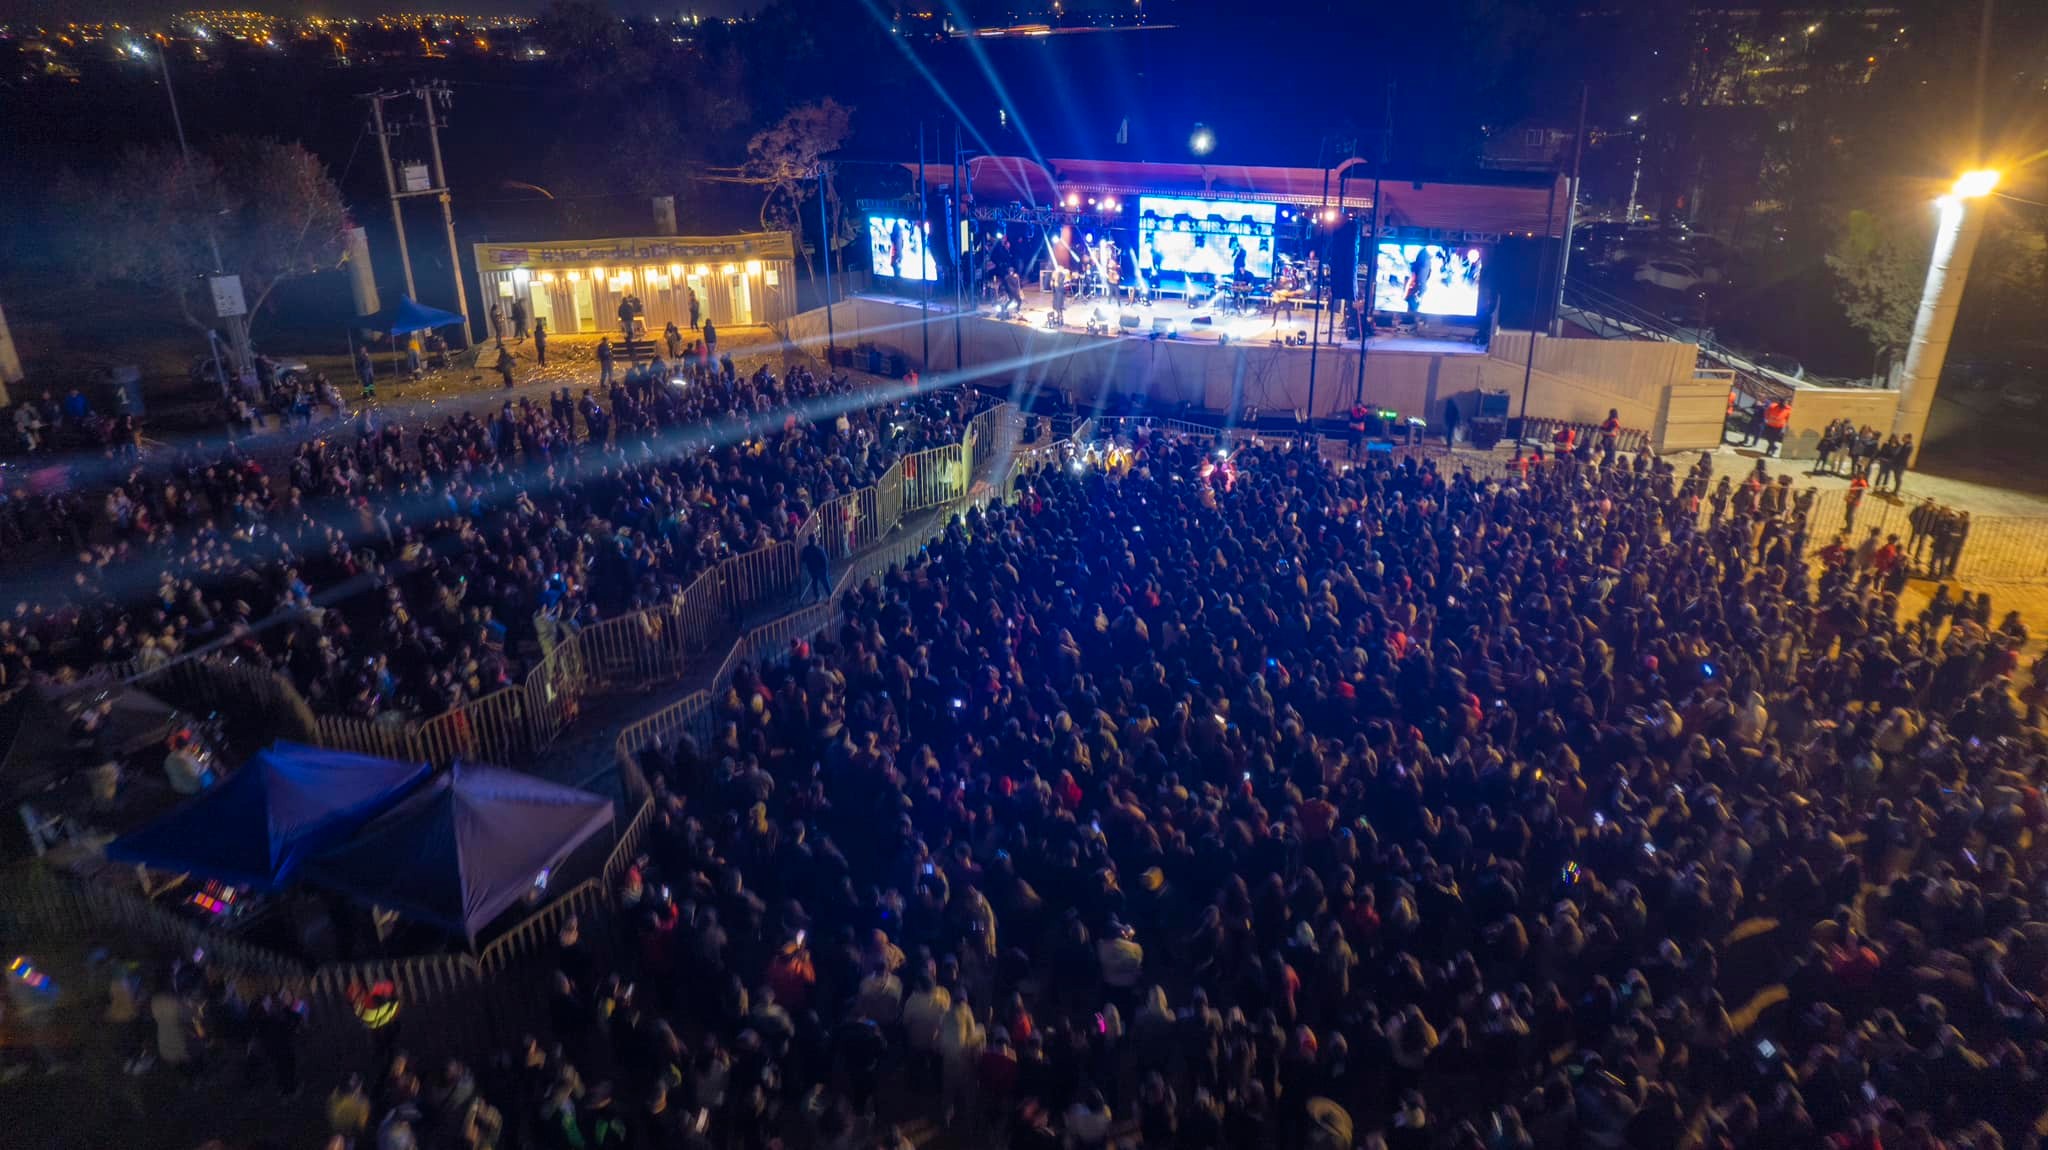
<point x="1635" y="183"/>
<point x="1976" y="185"/>
<point x="1955" y="242"/>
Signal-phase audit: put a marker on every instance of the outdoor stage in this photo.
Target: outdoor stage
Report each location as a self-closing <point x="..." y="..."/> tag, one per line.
<point x="1572" y="379"/>
<point x="1212" y="321"/>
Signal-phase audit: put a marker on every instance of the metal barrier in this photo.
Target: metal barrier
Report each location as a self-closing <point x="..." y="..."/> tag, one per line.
<point x="539" y="928"/>
<point x="1629" y="441"/>
<point x="931" y="478"/>
<point x="659" y="644"/>
<point x="35" y="899"/>
<point x="759" y="576"/>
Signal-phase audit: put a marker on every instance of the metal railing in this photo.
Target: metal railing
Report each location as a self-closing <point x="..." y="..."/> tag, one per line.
<point x="1538" y="430"/>
<point x="660" y="644"/>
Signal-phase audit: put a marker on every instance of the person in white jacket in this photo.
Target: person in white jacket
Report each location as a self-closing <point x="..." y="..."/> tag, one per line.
<point x="961" y="1040"/>
<point x="923" y="1011"/>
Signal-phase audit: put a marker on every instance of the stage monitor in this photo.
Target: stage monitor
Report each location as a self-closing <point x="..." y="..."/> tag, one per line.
<point x="1428" y="279"/>
<point x="1179" y="236"/>
<point x="896" y="248"/>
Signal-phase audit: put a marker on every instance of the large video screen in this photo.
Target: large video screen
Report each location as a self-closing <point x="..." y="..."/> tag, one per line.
<point x="898" y="248"/>
<point x="1428" y="279"/>
<point x="1204" y="237"/>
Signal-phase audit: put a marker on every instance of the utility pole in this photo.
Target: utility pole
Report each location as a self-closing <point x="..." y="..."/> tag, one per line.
<point x="383" y="135"/>
<point x="924" y="228"/>
<point x="428" y="97"/>
<point x="955" y="207"/>
<point x="1535" y="305"/>
<point x="244" y="355"/>
<point x="1571" y="217"/>
<point x="825" y="246"/>
<point x="1315" y="287"/>
<point x="1372" y="250"/>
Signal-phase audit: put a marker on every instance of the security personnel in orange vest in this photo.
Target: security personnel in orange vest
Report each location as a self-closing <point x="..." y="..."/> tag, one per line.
<point x="1777" y="417"/>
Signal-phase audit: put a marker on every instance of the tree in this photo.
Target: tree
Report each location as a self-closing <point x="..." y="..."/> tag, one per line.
<point x="1879" y="267"/>
<point x="785" y="160"/>
<point x="153" y="221"/>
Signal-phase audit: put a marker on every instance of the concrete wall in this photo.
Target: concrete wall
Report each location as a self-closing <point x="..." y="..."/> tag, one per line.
<point x="1813" y="408"/>
<point x="1576" y="380"/>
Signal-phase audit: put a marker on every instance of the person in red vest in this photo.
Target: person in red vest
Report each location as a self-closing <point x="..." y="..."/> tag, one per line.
<point x="1777" y="417"/>
<point x="1857" y="486"/>
<point x="1610" y="436"/>
<point x="1357" y="424"/>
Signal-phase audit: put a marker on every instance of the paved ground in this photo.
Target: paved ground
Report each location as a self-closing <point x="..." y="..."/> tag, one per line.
<point x="1979" y="499"/>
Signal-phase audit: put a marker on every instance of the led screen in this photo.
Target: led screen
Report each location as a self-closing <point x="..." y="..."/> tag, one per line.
<point x="896" y="248"/>
<point x="1428" y="279"/>
<point x="1203" y="237"/>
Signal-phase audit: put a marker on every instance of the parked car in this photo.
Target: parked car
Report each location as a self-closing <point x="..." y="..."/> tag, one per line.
<point x="1672" y="275"/>
<point x="1783" y="365"/>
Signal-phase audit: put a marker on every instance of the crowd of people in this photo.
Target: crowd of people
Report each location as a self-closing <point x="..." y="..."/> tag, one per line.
<point x="402" y="568"/>
<point x="1287" y="804"/>
<point x="1863" y="451"/>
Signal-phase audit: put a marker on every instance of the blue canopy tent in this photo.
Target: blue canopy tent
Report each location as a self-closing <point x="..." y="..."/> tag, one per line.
<point x="465" y="848"/>
<point x="407" y="316"/>
<point x="284" y="806"/>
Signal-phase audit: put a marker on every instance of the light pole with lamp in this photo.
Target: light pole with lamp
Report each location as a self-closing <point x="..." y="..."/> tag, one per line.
<point x="1955" y="242"/>
<point x="1635" y="182"/>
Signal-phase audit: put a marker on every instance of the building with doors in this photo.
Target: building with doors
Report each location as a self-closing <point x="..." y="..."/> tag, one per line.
<point x="580" y="285"/>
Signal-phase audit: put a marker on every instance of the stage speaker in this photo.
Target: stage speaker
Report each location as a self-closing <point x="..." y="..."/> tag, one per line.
<point x="1344" y="262"/>
<point x="1161" y="325"/>
<point x="1203" y="320"/>
<point x="1127" y="320"/>
<point x="1493" y="404"/>
<point x="1485" y="431"/>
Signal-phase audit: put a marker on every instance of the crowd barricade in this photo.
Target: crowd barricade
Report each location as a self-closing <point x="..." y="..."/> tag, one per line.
<point x="37" y="901"/>
<point x="659" y="644"/>
<point x="539" y="930"/>
<point x="2004" y="547"/>
<point x="762" y="575"/>
<point x="1628" y="442"/>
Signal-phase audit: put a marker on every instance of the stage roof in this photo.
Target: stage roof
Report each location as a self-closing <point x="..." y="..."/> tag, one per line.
<point x="1518" y="204"/>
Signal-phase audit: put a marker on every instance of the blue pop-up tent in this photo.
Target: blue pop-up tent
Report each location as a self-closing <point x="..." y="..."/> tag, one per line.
<point x="407" y="316"/>
<point x="284" y="806"/>
<point x="465" y="848"/>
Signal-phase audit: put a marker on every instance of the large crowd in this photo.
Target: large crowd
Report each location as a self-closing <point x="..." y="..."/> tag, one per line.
<point x="1283" y="804"/>
<point x="1190" y="803"/>
<point x="391" y="568"/>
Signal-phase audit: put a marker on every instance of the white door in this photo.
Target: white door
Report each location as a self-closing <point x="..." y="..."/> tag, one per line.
<point x="586" y="308"/>
<point x="541" y="299"/>
<point x="742" y="300"/>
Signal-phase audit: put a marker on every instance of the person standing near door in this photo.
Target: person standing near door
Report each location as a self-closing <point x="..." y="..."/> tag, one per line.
<point x="540" y="340"/>
<point x="604" y="362"/>
<point x="696" y="309"/>
<point x="498" y="322"/>
<point x="710" y="339"/>
<point x="519" y="320"/>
